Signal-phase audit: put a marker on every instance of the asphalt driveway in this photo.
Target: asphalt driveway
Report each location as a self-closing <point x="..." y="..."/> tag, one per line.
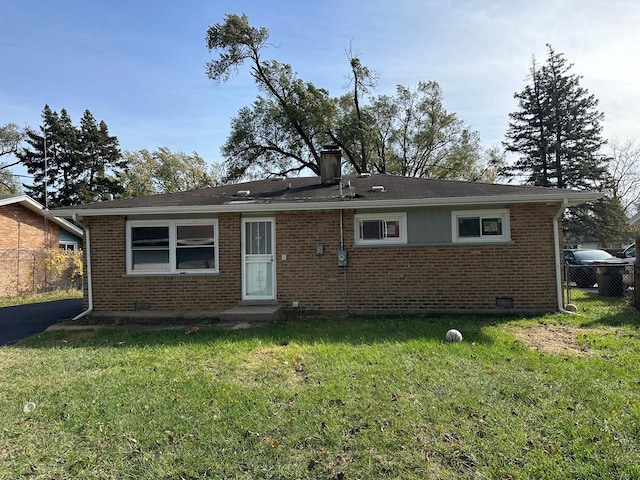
<point x="22" y="321"/>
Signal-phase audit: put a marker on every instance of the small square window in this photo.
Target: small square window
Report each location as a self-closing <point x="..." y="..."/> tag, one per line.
<point x="469" y="227"/>
<point x="492" y="226"/>
<point x="371" y="230"/>
<point x="380" y="229"/>
<point x="480" y="226"/>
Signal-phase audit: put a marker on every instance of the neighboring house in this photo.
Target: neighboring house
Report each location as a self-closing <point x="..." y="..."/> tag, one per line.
<point x="635" y="219"/>
<point x="26" y="228"/>
<point x="356" y="244"/>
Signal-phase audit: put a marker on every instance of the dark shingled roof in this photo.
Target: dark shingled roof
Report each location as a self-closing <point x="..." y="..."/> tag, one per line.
<point x="302" y="190"/>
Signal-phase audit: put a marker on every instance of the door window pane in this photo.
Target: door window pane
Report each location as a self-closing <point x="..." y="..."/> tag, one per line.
<point x="259" y="279"/>
<point x="258" y="238"/>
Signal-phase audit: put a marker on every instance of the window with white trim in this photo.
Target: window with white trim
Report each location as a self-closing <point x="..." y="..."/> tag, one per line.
<point x="172" y="246"/>
<point x="67" y="246"/>
<point x="480" y="226"/>
<point x="380" y="228"/>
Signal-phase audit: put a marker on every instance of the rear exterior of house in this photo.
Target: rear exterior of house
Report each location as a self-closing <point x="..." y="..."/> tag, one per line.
<point x="292" y="258"/>
<point x="360" y="244"/>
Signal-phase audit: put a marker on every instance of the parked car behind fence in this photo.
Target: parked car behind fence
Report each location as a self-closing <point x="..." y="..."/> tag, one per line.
<point x="628" y="255"/>
<point x="581" y="265"/>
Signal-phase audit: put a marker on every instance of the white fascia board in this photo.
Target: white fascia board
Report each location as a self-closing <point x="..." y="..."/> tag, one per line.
<point x="574" y="198"/>
<point x="62" y="223"/>
<point x="25" y="200"/>
<point x="635" y="219"/>
<point x="36" y="207"/>
<point x="70" y="227"/>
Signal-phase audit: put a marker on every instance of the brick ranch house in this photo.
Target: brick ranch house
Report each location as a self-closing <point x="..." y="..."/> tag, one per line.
<point x="357" y="244"/>
<point x="24" y="229"/>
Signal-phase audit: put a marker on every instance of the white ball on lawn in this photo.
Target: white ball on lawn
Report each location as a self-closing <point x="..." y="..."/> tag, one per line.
<point x="453" y="335"/>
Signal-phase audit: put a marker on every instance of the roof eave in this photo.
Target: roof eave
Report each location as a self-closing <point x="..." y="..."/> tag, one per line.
<point x="573" y="198"/>
<point x="36" y="207"/>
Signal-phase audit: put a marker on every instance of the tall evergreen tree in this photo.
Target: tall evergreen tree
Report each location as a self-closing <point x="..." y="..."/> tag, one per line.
<point x="557" y="133"/>
<point x="34" y="158"/>
<point x="557" y="129"/>
<point x="100" y="155"/>
<point x="71" y="165"/>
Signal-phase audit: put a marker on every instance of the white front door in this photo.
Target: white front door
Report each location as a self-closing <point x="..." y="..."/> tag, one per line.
<point x="258" y="250"/>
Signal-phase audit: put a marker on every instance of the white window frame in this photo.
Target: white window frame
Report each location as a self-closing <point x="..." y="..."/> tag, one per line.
<point x="401" y="217"/>
<point x="65" y="244"/>
<point x="173" y="228"/>
<point x="502" y="213"/>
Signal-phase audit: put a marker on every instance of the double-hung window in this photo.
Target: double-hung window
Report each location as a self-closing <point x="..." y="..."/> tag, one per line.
<point x="172" y="246"/>
<point x="480" y="226"/>
<point x="380" y="228"/>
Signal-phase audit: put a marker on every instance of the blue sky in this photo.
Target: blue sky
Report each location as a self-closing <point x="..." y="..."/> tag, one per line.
<point x="140" y="66"/>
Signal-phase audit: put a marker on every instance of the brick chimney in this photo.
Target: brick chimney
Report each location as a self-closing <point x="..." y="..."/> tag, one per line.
<point x="330" y="164"/>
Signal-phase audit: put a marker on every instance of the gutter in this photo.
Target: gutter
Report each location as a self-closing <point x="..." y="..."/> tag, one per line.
<point x="87" y="251"/>
<point x="262" y="205"/>
<point x="556" y="241"/>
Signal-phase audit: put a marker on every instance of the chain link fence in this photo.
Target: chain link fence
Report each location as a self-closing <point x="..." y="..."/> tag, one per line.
<point x="26" y="271"/>
<point x="615" y="280"/>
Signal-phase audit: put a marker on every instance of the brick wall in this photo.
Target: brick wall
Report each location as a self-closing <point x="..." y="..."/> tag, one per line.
<point x="416" y="278"/>
<point x="113" y="291"/>
<point x="23" y="228"/>
<point x="377" y="279"/>
<point x="22" y="240"/>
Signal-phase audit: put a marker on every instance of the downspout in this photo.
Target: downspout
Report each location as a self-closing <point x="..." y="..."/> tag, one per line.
<point x="346" y="289"/>
<point x="87" y="252"/>
<point x="556" y="242"/>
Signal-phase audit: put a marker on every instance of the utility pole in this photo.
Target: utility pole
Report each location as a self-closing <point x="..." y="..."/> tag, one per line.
<point x="46" y="199"/>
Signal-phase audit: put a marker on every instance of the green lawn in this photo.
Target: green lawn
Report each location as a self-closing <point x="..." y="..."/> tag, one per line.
<point x="363" y="398"/>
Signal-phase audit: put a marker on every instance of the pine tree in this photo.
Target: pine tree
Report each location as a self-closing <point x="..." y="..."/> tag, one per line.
<point x="75" y="165"/>
<point x="100" y="154"/>
<point x="557" y="133"/>
<point x="34" y="158"/>
<point x="557" y="130"/>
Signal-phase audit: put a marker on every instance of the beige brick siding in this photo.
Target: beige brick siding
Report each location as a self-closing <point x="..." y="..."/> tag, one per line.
<point x="22" y="228"/>
<point x="113" y="291"/>
<point x="378" y="279"/>
<point x="22" y="238"/>
<point x="417" y="278"/>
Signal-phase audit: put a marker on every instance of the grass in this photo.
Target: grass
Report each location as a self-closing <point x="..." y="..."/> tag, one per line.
<point x="39" y="297"/>
<point x="326" y="398"/>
